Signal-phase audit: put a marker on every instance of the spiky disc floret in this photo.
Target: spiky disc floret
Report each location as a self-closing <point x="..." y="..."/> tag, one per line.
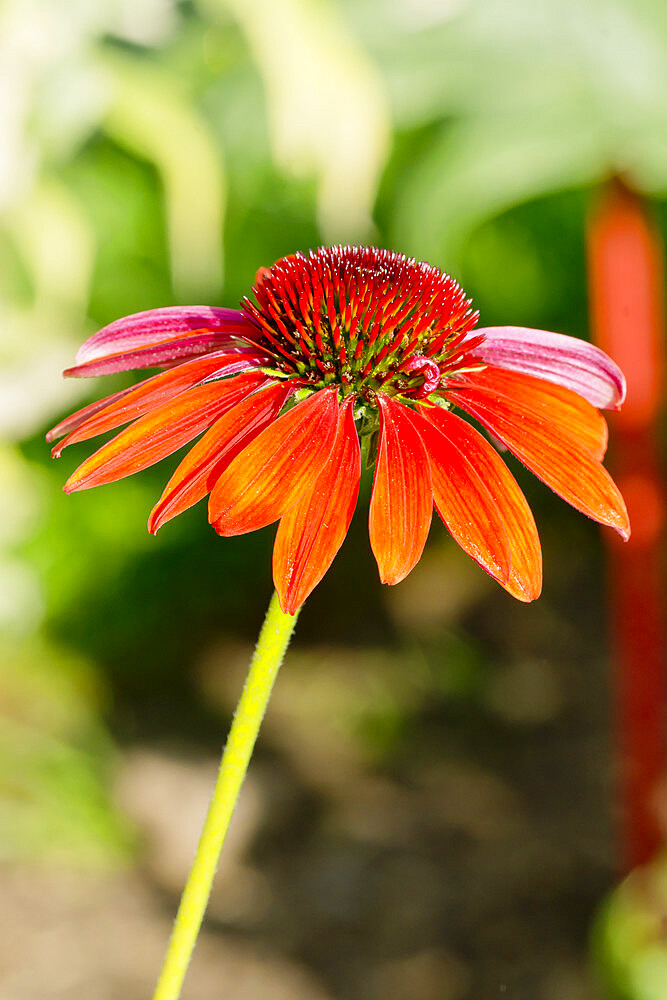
<point x="365" y="319"/>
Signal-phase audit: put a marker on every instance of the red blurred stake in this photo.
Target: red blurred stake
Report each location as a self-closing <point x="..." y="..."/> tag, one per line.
<point x="626" y="287"/>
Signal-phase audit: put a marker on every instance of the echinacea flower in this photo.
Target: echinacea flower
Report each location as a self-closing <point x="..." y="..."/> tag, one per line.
<point x="350" y="350"/>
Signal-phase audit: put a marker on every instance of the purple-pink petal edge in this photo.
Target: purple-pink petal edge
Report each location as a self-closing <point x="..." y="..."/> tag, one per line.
<point x="555" y="357"/>
<point x="155" y="325"/>
<point x="166" y="354"/>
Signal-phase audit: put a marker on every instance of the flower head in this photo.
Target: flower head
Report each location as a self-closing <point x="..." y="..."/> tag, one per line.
<point x="352" y="349"/>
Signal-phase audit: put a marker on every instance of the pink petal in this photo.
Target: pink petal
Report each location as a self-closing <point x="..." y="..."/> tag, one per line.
<point x="155" y="326"/>
<point x="557" y="358"/>
<point x="166" y="354"/>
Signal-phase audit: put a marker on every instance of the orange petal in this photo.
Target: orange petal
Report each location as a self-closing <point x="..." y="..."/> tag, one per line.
<point x="552" y="453"/>
<point x="204" y="463"/>
<point x="525" y="578"/>
<point x="402" y="501"/>
<point x="152" y="392"/>
<point x="533" y="400"/>
<point x="79" y="417"/>
<point x="312" y="531"/>
<point x="158" y="434"/>
<point x="462" y="499"/>
<point x="281" y="463"/>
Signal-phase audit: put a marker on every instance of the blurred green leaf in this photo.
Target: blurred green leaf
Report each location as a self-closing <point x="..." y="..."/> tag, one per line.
<point x="153" y="119"/>
<point x="629" y="939"/>
<point x="54" y="794"/>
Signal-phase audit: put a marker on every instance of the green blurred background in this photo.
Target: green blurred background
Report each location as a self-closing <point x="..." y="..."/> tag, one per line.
<point x="430" y="813"/>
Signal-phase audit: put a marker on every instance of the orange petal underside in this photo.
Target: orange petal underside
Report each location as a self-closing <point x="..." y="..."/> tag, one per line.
<point x="463" y="500"/>
<point x="525" y="555"/>
<point x="268" y="476"/>
<point x="79" y="417"/>
<point x="149" y="394"/>
<point x="551" y="451"/>
<point x="161" y="432"/>
<point x="204" y="463"/>
<point x="312" y="531"/>
<point x="402" y="501"/>
<point x="535" y="400"/>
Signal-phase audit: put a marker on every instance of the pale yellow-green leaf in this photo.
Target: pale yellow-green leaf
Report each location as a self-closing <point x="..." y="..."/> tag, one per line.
<point x="151" y="117"/>
<point x="327" y="107"/>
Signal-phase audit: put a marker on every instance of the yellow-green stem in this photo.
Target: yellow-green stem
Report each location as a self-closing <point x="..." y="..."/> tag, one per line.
<point x="269" y="654"/>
